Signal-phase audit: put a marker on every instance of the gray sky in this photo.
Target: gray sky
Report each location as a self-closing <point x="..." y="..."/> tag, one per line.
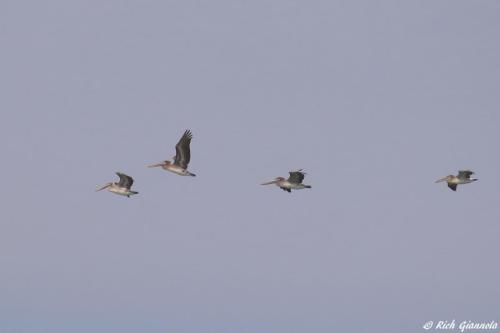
<point x="374" y="99"/>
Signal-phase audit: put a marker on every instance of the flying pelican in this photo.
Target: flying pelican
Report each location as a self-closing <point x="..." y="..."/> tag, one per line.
<point x="294" y="182"/>
<point x="122" y="187"/>
<point x="181" y="158"/>
<point x="462" y="178"/>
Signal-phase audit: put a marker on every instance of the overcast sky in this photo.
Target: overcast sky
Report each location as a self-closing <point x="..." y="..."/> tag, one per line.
<point x="374" y="99"/>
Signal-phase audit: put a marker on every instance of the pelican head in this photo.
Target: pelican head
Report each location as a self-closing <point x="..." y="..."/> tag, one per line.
<point x="276" y="180"/>
<point x="162" y="164"/>
<point x="104" y="187"/>
<point x="444" y="179"/>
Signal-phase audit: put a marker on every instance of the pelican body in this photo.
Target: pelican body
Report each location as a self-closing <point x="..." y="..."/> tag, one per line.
<point x="122" y="187"/>
<point x="181" y="158"/>
<point x="463" y="177"/>
<point x="294" y="182"/>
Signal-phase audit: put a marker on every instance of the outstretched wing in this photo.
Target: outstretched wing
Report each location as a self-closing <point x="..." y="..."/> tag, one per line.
<point x="125" y="181"/>
<point x="452" y="186"/>
<point x="465" y="174"/>
<point x="296" y="177"/>
<point x="182" y="151"/>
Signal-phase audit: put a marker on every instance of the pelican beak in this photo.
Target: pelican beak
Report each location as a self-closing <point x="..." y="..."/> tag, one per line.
<point x="269" y="183"/>
<point x="441" y="180"/>
<point x="103" y="187"/>
<point x="155" y="165"/>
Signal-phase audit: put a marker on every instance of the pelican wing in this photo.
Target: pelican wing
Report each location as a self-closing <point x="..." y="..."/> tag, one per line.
<point x="296" y="177"/>
<point x="465" y="174"/>
<point x="182" y="151"/>
<point x="125" y="181"/>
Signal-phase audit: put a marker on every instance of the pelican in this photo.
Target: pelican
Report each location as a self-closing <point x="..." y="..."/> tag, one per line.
<point x="294" y="182"/>
<point x="122" y="187"/>
<point x="462" y="178"/>
<point x="181" y="158"/>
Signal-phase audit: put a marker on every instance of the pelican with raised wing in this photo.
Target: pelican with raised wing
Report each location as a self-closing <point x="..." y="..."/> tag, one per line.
<point x="463" y="177"/>
<point x="294" y="182"/>
<point x="181" y="158"/>
<point x="122" y="187"/>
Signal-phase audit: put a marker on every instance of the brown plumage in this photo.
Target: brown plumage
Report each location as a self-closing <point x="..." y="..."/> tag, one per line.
<point x="182" y="157"/>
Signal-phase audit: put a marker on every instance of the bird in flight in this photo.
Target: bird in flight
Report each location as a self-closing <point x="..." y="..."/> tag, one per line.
<point x="122" y="187"/>
<point x="294" y="182"/>
<point x="463" y="177"/>
<point x="181" y="159"/>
